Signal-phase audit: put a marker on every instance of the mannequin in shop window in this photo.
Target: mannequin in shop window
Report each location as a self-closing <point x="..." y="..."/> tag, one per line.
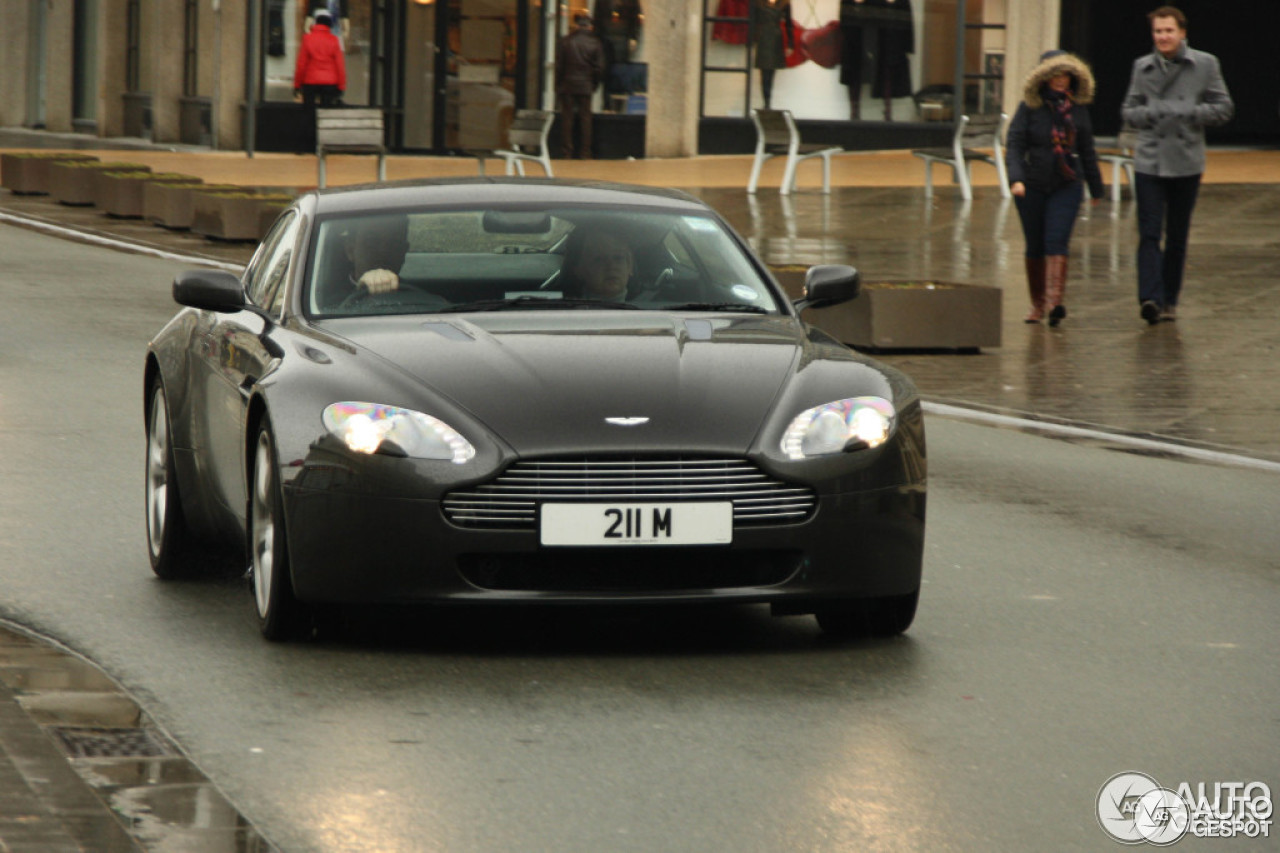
<point x="772" y="29"/>
<point x="879" y="38"/>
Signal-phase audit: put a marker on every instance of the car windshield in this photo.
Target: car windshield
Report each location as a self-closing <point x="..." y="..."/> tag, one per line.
<point x="452" y="261"/>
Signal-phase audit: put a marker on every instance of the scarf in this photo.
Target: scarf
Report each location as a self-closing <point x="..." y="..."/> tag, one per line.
<point x="1063" y="131"/>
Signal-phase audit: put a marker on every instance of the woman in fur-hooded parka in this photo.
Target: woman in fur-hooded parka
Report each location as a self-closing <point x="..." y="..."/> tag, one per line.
<point x="1050" y="157"/>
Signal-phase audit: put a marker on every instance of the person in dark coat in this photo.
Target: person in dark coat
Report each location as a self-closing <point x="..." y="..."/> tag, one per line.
<point x="579" y="70"/>
<point x="321" y="71"/>
<point x="773" y="29"/>
<point x="1174" y="94"/>
<point x="1050" y="156"/>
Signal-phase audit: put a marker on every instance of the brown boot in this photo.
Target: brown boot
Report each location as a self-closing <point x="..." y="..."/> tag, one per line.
<point x="1035" y="284"/>
<point x="1055" y="287"/>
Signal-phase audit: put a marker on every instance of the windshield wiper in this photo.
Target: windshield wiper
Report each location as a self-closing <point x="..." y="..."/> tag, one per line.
<point x="521" y="303"/>
<point x="717" y="306"/>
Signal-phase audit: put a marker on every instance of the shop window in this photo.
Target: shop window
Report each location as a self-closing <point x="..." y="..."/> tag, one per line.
<point x="84" y="70"/>
<point x="620" y="26"/>
<point x="984" y="45"/>
<point x="287" y="21"/>
<point x="132" y="48"/>
<point x="873" y="60"/>
<point x="191" y="49"/>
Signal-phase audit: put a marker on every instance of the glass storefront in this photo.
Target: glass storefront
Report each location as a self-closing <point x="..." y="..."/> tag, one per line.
<point x="872" y="60"/>
<point x="286" y="23"/>
<point x="451" y="73"/>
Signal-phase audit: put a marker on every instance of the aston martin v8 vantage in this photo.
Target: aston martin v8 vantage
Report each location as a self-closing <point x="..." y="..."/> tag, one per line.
<point x="504" y="390"/>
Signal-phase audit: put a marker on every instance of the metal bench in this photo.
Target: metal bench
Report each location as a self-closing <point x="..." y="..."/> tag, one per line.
<point x="973" y="135"/>
<point x="777" y="136"/>
<point x="1121" y="159"/>
<point x="349" y="131"/>
<point x="526" y="140"/>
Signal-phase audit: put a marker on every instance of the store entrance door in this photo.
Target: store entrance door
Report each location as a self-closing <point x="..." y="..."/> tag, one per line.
<point x="469" y="64"/>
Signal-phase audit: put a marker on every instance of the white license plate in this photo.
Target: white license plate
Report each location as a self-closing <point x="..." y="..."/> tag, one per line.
<point x="637" y="524"/>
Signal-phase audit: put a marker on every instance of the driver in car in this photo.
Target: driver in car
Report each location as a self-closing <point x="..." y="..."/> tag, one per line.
<point x="599" y="265"/>
<point x="376" y="247"/>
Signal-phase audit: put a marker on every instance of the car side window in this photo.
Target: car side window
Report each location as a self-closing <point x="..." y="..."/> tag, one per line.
<point x="270" y="270"/>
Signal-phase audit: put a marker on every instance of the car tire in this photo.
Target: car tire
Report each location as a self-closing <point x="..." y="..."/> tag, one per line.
<point x="870" y="617"/>
<point x="280" y="615"/>
<point x="168" y="538"/>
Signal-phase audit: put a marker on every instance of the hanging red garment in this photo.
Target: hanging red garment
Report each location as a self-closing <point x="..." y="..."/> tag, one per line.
<point x="796" y="51"/>
<point x="823" y="44"/>
<point x="725" y="31"/>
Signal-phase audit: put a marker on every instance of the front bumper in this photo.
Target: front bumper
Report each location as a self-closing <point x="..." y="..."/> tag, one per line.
<point x="347" y="548"/>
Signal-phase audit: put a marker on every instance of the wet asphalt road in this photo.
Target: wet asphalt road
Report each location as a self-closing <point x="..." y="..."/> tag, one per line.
<point x="1085" y="612"/>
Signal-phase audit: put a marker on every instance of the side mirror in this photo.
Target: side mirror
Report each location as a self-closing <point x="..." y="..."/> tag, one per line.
<point x="211" y="290"/>
<point x="829" y="284"/>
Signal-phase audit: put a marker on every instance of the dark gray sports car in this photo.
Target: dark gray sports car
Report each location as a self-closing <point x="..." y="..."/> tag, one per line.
<point x="509" y="390"/>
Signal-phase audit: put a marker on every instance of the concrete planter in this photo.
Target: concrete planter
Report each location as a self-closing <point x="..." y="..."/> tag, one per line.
<point x="120" y="194"/>
<point x="916" y="316"/>
<point x="908" y="315"/>
<point x="173" y="205"/>
<point x="234" y="215"/>
<point x="76" y="182"/>
<point x="27" y="172"/>
<point x="269" y="211"/>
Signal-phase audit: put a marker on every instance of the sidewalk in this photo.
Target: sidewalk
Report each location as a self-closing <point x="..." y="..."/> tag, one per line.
<point x="1209" y="381"/>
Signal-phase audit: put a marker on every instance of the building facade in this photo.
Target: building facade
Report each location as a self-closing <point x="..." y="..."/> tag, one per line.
<point x="683" y="75"/>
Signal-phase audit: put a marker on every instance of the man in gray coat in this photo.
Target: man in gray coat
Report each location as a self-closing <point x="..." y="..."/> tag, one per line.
<point x="1175" y="92"/>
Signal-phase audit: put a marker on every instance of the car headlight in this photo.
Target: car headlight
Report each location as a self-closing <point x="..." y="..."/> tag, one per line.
<point x="373" y="428"/>
<point x="839" y="427"/>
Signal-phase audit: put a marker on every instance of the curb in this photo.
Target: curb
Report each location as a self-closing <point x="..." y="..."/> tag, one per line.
<point x="83" y="767"/>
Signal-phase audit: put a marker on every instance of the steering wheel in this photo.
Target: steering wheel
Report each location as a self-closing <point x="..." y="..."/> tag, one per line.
<point x="361" y="296"/>
<point x="402" y="297"/>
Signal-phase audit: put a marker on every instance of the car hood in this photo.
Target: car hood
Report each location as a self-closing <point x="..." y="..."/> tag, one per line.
<point x="548" y="384"/>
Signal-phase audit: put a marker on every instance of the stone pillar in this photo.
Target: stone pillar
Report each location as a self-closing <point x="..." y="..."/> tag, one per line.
<point x="60" y="26"/>
<point x="113" y="17"/>
<point x="15" y="40"/>
<point x="672" y="47"/>
<point x="1033" y="28"/>
<point x="225" y="74"/>
<point x="162" y="39"/>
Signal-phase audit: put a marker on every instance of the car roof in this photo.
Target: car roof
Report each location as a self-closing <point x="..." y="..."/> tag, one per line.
<point x="482" y="191"/>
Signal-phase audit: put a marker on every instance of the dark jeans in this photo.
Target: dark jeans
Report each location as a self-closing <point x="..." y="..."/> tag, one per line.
<point x="1164" y="205"/>
<point x="1048" y="217"/>
<point x="581" y="106"/>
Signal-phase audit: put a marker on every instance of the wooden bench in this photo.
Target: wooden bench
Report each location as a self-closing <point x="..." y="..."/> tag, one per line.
<point x="1121" y="159"/>
<point x="349" y="131"/>
<point x="526" y="140"/>
<point x="969" y="144"/>
<point x="777" y="136"/>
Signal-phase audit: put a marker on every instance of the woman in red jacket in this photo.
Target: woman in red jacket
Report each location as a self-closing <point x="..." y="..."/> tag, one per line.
<point x="321" y="73"/>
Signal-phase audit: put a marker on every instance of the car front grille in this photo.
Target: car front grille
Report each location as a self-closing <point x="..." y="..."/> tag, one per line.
<point x="511" y="501"/>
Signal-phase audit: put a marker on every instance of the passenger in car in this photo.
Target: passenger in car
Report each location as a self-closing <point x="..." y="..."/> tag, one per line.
<point x="598" y="264"/>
